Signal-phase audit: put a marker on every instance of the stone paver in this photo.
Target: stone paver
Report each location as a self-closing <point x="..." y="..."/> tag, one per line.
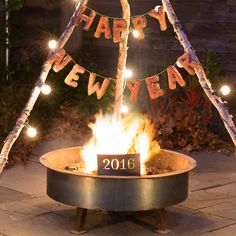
<point x="29" y="179"/>
<point x="41" y="225"/>
<point x="47" y="203"/>
<point x="228" y="190"/>
<point x="226" y="210"/>
<point x="226" y="231"/>
<point x="209" y="209"/>
<point x="9" y="195"/>
<point x="202" y="199"/>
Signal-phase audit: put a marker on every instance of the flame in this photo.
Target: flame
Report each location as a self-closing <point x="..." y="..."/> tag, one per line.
<point x="118" y="136"/>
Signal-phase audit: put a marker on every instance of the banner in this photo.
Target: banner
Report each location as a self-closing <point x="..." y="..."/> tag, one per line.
<point x="60" y="59"/>
<point x="120" y="25"/>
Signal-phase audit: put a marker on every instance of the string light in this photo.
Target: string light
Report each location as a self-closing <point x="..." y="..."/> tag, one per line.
<point x="136" y="33"/>
<point x="32" y="132"/>
<point x="128" y="73"/>
<point x="225" y="90"/>
<point x="105" y="77"/>
<point x="112" y="17"/>
<point x="52" y="44"/>
<point x="179" y="65"/>
<point x="124" y="109"/>
<point x="46" y="89"/>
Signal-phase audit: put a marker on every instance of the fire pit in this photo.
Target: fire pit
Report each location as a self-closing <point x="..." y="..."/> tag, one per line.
<point x="116" y="193"/>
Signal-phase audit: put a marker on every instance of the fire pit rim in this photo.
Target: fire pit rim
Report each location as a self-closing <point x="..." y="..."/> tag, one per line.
<point x="44" y="161"/>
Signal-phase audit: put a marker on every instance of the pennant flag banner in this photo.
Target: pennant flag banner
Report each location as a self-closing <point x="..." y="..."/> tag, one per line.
<point x="60" y="59"/>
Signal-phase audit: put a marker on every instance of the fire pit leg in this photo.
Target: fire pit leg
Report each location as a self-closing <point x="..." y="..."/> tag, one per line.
<point x="162" y="226"/>
<point x="80" y="220"/>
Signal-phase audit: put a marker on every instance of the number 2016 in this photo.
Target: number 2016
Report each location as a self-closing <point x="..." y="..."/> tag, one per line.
<point x="115" y="164"/>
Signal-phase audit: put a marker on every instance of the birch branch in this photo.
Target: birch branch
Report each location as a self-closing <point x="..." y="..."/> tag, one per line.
<point x="204" y="82"/>
<point x="123" y="49"/>
<point x="20" y="123"/>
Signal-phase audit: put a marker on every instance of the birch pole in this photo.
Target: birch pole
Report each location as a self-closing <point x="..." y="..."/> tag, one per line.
<point x="123" y="49"/>
<point x="204" y="82"/>
<point x="7" y="38"/>
<point x="20" y="123"/>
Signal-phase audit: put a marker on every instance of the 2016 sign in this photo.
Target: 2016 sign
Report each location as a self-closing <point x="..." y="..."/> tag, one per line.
<point x="119" y="165"/>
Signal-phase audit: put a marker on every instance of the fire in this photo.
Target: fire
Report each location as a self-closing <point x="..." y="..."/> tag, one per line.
<point x="118" y="136"/>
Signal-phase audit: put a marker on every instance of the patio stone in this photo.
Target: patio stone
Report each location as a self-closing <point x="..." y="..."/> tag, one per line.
<point x="44" y="224"/>
<point x="201" y="199"/>
<point x="9" y="195"/>
<point x="226" y="210"/>
<point x="29" y="179"/>
<point x="226" y="231"/>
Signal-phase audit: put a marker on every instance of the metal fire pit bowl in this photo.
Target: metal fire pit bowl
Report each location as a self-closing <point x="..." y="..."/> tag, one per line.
<point x="115" y="193"/>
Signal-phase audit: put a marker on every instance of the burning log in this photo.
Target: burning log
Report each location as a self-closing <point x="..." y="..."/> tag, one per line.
<point x="78" y="167"/>
<point x="150" y="155"/>
<point x="154" y="165"/>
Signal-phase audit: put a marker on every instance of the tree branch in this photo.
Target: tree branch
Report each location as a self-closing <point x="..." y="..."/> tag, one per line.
<point x="204" y="82"/>
<point x="20" y="123"/>
<point x="123" y="49"/>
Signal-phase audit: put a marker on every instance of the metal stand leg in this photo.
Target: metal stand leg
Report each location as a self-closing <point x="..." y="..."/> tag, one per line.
<point x="80" y="220"/>
<point x="162" y="226"/>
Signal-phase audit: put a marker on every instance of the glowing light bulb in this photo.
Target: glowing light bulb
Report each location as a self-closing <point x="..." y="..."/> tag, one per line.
<point x="46" y="89"/>
<point x="32" y="132"/>
<point x="178" y="64"/>
<point x="157" y="8"/>
<point x="52" y="44"/>
<point x="128" y="73"/>
<point x="136" y="33"/>
<point x="124" y="109"/>
<point x="225" y="90"/>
